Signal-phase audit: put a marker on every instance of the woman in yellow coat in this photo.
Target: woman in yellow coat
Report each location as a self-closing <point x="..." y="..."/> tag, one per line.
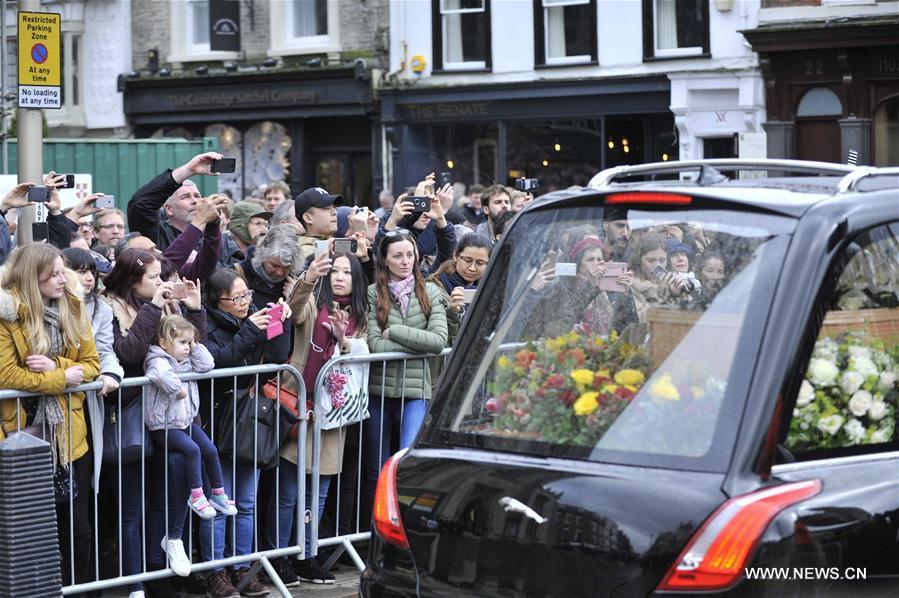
<point x="46" y="346"/>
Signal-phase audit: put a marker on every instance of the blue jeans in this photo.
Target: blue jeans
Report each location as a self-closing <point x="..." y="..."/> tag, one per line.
<point x="160" y="522"/>
<point x="388" y="418"/>
<point x="132" y="504"/>
<point x="242" y="489"/>
<point x="281" y="523"/>
<point x="197" y="449"/>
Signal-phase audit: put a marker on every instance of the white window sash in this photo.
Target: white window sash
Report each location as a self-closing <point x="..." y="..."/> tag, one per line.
<point x="554" y="33"/>
<point x="452" y="33"/>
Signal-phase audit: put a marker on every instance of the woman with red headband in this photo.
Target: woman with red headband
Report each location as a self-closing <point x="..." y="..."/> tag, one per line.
<point x="580" y="302"/>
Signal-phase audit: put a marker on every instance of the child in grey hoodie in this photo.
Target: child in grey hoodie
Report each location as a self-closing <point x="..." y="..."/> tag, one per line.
<point x="171" y="407"/>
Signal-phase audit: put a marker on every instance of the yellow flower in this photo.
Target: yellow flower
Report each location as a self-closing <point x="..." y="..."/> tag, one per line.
<point x="573" y="337"/>
<point x="697" y="392"/>
<point x="610" y="388"/>
<point x="503" y="361"/>
<point x="630" y="377"/>
<point x="664" y="388"/>
<point x="586" y="403"/>
<point x="604" y="373"/>
<point x="613" y="336"/>
<point x="582" y="377"/>
<point x="554" y="344"/>
<point x="599" y="341"/>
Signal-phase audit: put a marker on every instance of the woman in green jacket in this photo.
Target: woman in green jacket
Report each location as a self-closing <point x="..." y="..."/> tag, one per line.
<point x="409" y="315"/>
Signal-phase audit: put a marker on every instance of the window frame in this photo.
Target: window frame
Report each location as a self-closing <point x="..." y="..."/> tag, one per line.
<point x="284" y="43"/>
<point x="71" y="111"/>
<point x="182" y="47"/>
<point x="541" y="60"/>
<point x="791" y="385"/>
<point x="650" y="53"/>
<point x="437" y="40"/>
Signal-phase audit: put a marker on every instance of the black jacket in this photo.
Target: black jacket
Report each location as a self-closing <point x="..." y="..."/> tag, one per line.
<point x="233" y="343"/>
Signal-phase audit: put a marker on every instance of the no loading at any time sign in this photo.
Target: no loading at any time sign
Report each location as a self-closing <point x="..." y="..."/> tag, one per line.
<point x="40" y="72"/>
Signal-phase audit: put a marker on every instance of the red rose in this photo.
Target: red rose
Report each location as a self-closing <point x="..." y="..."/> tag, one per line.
<point x="568" y="397"/>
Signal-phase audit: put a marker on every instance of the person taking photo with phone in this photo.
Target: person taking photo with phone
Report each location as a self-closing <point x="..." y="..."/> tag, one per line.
<point x="459" y="276"/>
<point x="237" y="337"/>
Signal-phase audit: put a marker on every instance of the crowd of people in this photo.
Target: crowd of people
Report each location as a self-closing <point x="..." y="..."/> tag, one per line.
<point x="182" y="283"/>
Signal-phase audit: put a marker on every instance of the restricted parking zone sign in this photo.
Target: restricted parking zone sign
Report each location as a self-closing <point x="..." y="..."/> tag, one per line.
<point x="40" y="72"/>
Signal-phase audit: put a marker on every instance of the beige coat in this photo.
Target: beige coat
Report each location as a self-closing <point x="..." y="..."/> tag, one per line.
<point x="302" y="304"/>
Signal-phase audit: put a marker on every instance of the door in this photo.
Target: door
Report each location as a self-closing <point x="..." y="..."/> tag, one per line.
<point x="842" y="429"/>
<point x="818" y="139"/>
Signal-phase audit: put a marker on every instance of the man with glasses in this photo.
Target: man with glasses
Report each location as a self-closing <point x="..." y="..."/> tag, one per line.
<point x="109" y="227"/>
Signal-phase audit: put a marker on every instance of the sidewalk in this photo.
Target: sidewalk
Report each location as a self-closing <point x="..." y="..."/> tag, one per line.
<point x="347" y="586"/>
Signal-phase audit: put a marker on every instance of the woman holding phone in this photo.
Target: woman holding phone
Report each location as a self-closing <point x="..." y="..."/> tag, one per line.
<point x="590" y="301"/>
<point x="654" y="283"/>
<point x="459" y="276"/>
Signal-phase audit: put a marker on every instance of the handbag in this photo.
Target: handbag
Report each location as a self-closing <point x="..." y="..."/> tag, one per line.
<point x="127" y="426"/>
<point x="256" y="436"/>
<point x="289" y="400"/>
<point x="343" y="393"/>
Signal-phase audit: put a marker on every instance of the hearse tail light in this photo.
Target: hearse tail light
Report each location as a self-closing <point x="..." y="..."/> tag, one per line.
<point x="648" y="197"/>
<point x="386" y="512"/>
<point x="716" y="555"/>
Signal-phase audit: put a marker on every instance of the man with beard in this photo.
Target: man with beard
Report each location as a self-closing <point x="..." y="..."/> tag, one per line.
<point x="495" y="202"/>
<point x="617" y="232"/>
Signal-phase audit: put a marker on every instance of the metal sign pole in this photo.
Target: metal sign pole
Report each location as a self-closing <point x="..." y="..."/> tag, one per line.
<point x="4" y="127"/>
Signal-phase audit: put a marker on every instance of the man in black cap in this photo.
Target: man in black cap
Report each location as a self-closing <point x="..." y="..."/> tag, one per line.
<point x="316" y="210"/>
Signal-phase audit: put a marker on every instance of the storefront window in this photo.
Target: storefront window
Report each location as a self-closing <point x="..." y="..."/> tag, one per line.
<point x="468" y="150"/>
<point x="886" y="133"/>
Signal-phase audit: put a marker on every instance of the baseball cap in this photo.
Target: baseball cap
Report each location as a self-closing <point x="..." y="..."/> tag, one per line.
<point x="314" y="197"/>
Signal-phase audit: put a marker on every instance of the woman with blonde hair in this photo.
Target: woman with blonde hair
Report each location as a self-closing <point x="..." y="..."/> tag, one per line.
<point x="46" y="347"/>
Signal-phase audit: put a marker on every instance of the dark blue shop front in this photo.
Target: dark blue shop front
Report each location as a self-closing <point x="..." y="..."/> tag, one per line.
<point x="560" y="132"/>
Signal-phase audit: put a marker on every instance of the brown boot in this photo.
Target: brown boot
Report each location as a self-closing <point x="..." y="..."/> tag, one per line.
<point x="253" y="588"/>
<point x="218" y="585"/>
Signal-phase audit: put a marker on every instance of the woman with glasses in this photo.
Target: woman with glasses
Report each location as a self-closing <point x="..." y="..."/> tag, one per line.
<point x="237" y="337"/>
<point x="408" y="315"/>
<point x="462" y="273"/>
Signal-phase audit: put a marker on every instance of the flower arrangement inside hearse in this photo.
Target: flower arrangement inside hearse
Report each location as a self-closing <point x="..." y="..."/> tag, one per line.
<point x="849" y="394"/>
<point x="579" y="389"/>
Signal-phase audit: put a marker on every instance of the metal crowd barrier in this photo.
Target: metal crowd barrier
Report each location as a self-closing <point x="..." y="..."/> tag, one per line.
<point x="261" y="552"/>
<point x="359" y="513"/>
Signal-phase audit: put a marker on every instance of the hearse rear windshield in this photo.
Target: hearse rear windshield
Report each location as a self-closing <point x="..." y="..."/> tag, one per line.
<point x="613" y="334"/>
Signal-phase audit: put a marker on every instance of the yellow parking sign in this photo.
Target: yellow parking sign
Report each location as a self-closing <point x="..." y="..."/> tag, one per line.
<point x="40" y="72"/>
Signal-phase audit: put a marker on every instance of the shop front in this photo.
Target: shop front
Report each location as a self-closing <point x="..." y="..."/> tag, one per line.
<point x="832" y="87"/>
<point x="560" y="132"/>
<point x="307" y="128"/>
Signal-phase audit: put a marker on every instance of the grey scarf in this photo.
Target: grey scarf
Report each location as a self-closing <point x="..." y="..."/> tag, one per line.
<point x="49" y="411"/>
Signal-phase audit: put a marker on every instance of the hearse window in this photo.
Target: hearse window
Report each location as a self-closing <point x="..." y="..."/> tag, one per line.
<point x="614" y="335"/>
<point x="847" y="401"/>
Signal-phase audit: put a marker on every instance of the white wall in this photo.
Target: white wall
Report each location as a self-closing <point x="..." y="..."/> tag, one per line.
<point x="619" y="37"/>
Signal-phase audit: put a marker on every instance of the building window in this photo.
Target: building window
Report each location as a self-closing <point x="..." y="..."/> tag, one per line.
<point x="461" y="34"/>
<point x="564" y="32"/>
<point x="310" y="18"/>
<point x="304" y="27"/>
<point x="71" y="50"/>
<point x="190" y="33"/>
<point x="675" y="28"/>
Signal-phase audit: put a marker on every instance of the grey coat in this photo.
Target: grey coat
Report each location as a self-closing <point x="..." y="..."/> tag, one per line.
<point x="162" y="407"/>
<point x="413" y="333"/>
<point x="101" y="324"/>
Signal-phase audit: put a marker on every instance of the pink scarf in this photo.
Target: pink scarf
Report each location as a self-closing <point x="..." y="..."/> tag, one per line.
<point x="401" y="290"/>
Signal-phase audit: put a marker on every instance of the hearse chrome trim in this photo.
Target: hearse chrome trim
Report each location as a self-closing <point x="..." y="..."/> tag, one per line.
<point x="607" y="176"/>
<point x="837" y="461"/>
<point x="850" y="181"/>
<point x="513" y="505"/>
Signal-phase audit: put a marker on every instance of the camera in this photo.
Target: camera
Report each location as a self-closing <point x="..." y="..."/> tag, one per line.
<point x="345" y="245"/>
<point x="69" y="182"/>
<point x="444" y="179"/>
<point x="179" y="291"/>
<point x="527" y="185"/>
<point x="41" y="194"/>
<point x="224" y="166"/>
<point x="420" y="204"/>
<point x="692" y="283"/>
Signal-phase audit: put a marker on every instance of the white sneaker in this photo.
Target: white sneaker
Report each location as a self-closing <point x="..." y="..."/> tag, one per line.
<point x="178" y="560"/>
<point x="201" y="507"/>
<point x="137" y="594"/>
